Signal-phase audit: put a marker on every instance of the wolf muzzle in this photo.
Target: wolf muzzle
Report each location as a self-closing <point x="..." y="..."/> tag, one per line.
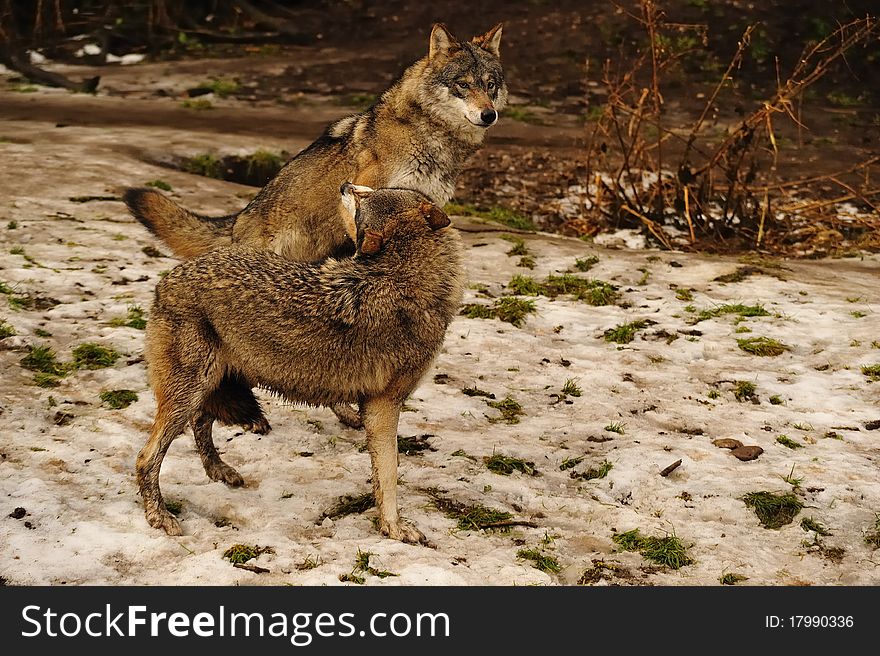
<point x="488" y="116"/>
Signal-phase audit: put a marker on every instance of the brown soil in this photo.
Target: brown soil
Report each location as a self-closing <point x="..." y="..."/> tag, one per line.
<point x="532" y="157"/>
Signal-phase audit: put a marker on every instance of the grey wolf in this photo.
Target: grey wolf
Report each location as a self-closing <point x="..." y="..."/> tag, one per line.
<point x="361" y="329"/>
<point x="418" y="135"/>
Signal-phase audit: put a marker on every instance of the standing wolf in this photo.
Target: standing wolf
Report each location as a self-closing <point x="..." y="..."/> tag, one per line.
<point x="361" y="329"/>
<point x="418" y="135"/>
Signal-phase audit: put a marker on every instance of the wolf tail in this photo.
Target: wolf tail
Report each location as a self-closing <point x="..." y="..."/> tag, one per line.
<point x="187" y="234"/>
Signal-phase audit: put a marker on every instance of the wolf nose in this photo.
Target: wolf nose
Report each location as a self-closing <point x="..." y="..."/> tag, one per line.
<point x="488" y="116"/>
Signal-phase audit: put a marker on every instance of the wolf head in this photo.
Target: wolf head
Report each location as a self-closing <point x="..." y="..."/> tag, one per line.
<point x="375" y="217"/>
<point x="463" y="84"/>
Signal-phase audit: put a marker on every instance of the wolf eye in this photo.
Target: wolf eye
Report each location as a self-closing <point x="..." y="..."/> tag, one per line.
<point x="461" y="84"/>
<point x="490" y="86"/>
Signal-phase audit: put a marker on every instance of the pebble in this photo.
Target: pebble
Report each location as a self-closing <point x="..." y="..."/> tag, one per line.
<point x="727" y="443"/>
<point x="746" y="453"/>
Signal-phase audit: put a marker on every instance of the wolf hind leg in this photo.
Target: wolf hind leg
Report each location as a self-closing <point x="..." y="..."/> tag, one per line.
<point x="215" y="468"/>
<point x="348" y="415"/>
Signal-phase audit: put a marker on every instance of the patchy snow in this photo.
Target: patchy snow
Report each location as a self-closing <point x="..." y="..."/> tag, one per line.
<point x="74" y="475"/>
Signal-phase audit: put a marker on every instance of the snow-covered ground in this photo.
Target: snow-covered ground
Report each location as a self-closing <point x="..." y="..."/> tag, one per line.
<point x="68" y="460"/>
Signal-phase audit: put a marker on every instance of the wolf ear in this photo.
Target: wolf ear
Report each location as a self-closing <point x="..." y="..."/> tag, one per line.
<point x="442" y="40"/>
<point x="491" y="40"/>
<point x="372" y="242"/>
<point x="435" y="217"/>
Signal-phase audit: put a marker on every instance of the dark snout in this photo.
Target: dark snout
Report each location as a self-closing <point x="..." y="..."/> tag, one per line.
<point x="345" y="188"/>
<point x="488" y="116"/>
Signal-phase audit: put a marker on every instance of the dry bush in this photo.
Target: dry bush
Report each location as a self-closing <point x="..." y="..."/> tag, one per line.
<point x="691" y="187"/>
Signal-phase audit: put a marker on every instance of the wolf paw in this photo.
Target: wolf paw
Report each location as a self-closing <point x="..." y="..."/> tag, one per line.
<point x="404" y="532"/>
<point x="164" y="520"/>
<point x="220" y="471"/>
<point x="261" y="426"/>
<point x="348" y="415"/>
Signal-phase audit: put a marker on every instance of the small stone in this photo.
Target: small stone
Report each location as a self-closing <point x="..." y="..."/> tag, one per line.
<point x="727" y="443"/>
<point x="327" y="523"/>
<point x="746" y="453"/>
<point x="18" y="513"/>
<point x="872" y="425"/>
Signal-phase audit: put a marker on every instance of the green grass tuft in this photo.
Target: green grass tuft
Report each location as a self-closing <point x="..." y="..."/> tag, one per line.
<point x="872" y="371"/>
<point x="784" y="440"/>
<point x="568" y="463"/>
<point x="174" y="507"/>
<point x="571" y="388"/>
<point x="738" y="309"/>
<point x="525" y="286"/>
<point x="593" y="472"/>
<point x="762" y="346"/>
<point x="134" y="319"/>
<point x="625" y="332"/>
<point x="223" y="87"/>
<point x="241" y="553"/>
<point x="6" y="330"/>
<point x="509" y="408"/>
<point x="776" y="400"/>
<point x="159" y="184"/>
<point x="46" y="380"/>
<point x="810" y="524"/>
<point x="43" y="360"/>
<point x="478" y="311"/>
<point x="668" y="550"/>
<point x="206" y="165"/>
<point x="731" y="578"/>
<point x="586" y="263"/>
<point x="592" y="291"/>
<point x="519" y="246"/>
<point x="93" y="356"/>
<point x="118" y="399"/>
<point x="469" y="517"/>
<point x="744" y="390"/>
<point x="506" y="465"/>
<point x="510" y="309"/>
<point x="498" y="214"/>
<point x="774" y="510"/>
<point x="615" y="427"/>
<point x="540" y="560"/>
<point x="513" y="310"/>
<point x="683" y="294"/>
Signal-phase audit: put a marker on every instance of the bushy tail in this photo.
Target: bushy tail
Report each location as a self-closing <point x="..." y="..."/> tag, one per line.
<point x="187" y="234"/>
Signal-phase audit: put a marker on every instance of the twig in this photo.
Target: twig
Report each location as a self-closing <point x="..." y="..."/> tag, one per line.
<point x="816" y="204"/>
<point x="508" y="522"/>
<point x="671" y="468"/>
<point x="764" y="208"/>
<point x="256" y="569"/>
<point x="652" y="226"/>
<point x="687" y="213"/>
<point x="855" y="192"/>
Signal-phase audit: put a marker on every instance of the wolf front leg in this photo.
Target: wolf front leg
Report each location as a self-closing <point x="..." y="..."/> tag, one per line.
<point x="380" y="419"/>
